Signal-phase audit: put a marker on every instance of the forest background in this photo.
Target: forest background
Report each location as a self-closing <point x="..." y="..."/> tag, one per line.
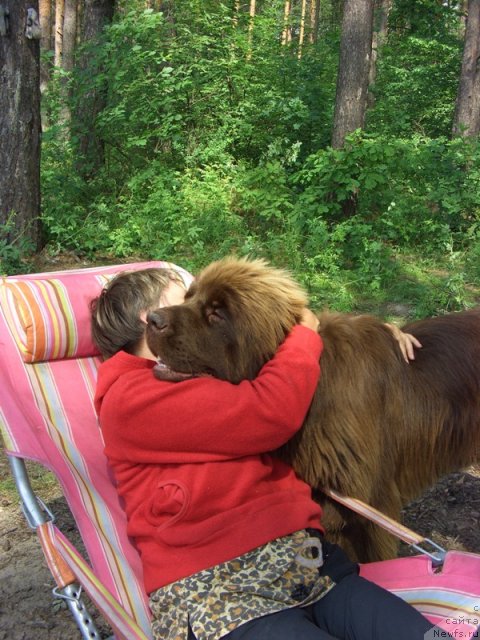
<point x="330" y="137"/>
<point x="337" y="138"/>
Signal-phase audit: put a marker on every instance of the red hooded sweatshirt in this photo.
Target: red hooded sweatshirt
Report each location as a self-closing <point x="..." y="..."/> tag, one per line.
<point x="191" y="458"/>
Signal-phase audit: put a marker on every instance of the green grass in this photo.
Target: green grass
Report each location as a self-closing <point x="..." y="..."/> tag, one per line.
<point x="42" y="480"/>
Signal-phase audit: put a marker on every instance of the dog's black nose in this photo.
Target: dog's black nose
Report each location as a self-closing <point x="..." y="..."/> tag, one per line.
<point x="158" y="319"/>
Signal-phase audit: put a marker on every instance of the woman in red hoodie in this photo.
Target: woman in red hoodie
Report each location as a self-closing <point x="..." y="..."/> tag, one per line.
<point x="230" y="538"/>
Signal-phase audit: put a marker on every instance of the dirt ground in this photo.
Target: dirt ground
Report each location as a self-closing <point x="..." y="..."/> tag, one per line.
<point x="448" y="513"/>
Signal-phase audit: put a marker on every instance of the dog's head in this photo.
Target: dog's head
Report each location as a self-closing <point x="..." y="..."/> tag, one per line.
<point x="235" y="315"/>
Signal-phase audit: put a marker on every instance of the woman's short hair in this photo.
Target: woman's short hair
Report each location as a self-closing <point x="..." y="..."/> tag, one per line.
<point x="115" y="314"/>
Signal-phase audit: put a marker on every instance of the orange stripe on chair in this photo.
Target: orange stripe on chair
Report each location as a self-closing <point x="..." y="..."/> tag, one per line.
<point x="59" y="569"/>
<point x="40" y="319"/>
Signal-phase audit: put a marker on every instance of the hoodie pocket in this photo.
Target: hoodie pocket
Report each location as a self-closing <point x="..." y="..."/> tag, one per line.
<point x="167" y="505"/>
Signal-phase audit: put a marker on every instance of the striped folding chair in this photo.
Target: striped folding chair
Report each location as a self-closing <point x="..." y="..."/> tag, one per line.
<point x="48" y="367"/>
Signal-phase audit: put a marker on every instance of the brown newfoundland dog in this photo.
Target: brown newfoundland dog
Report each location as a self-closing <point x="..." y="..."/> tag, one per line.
<point x="378" y="429"/>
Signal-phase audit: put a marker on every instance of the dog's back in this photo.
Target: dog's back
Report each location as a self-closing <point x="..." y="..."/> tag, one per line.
<point x="383" y="430"/>
<point x="444" y="383"/>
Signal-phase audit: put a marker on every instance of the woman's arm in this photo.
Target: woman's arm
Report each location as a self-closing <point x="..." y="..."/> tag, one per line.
<point x="146" y="420"/>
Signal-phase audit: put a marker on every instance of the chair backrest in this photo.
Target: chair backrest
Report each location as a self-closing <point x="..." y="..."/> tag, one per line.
<point x="48" y="369"/>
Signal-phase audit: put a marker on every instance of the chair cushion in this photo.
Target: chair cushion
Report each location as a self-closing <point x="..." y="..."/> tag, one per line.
<point x="49" y="314"/>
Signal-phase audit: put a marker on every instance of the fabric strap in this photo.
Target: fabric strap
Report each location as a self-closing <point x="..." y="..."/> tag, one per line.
<point x="392" y="526"/>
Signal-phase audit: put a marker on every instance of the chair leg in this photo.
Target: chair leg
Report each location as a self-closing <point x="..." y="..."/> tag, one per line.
<point x="34" y="510"/>
<point x="71" y="595"/>
<point x="37" y="515"/>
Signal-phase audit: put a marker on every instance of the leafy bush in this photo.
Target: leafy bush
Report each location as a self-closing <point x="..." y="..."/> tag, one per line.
<point x="418" y="195"/>
<point x="412" y="192"/>
<point x="14" y="248"/>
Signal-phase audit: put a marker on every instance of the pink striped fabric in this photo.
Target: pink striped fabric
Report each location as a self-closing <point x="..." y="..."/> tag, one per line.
<point x="449" y="598"/>
<point x="47" y="415"/>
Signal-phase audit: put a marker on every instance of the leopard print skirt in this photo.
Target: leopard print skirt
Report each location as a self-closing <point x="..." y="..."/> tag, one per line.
<point x="282" y="574"/>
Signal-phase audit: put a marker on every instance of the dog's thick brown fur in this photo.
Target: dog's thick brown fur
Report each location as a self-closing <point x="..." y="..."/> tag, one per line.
<point x="378" y="429"/>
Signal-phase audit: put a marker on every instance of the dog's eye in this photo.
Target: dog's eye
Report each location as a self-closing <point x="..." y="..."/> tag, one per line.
<point x="215" y="313"/>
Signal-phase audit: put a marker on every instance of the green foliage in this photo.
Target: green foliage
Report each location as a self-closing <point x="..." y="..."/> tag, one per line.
<point x="217" y="141"/>
<point x="417" y="71"/>
<point x="424" y="18"/>
<point x="177" y="95"/>
<point x="185" y="216"/>
<point x="414" y="191"/>
<point x="74" y="214"/>
<point x="417" y="195"/>
<point x="14" y="248"/>
<point x="416" y="85"/>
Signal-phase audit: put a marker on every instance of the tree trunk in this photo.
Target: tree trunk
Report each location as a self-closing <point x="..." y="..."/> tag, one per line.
<point x="69" y="34"/>
<point x="353" y="71"/>
<point x="379" y="36"/>
<point x="252" y="12"/>
<point x="314" y="20"/>
<point x="45" y="7"/>
<point x="20" y="127"/>
<point x="59" y="12"/>
<point x="301" y="35"/>
<point x="236" y="12"/>
<point x="466" y="121"/>
<point x="96" y="15"/>
<point x="68" y="42"/>
<point x="287" y="31"/>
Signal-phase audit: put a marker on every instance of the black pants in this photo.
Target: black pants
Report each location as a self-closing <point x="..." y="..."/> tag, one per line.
<point x="355" y="609"/>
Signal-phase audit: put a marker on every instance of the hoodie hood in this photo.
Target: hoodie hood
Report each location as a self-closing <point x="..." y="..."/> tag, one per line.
<point x="122" y="363"/>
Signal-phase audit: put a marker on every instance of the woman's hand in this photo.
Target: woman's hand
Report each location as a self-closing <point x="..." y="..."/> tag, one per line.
<point x="310" y="320"/>
<point x="406" y="342"/>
